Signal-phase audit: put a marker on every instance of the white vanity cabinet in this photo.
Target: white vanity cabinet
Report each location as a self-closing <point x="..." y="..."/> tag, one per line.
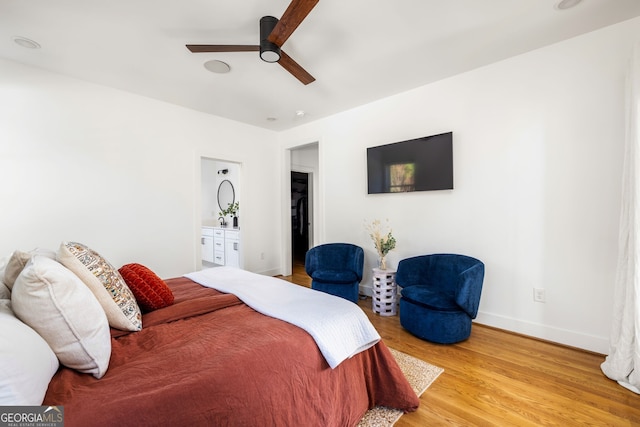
<point x="218" y="246"/>
<point x="221" y="246"/>
<point x="232" y="248"/>
<point x="206" y="239"/>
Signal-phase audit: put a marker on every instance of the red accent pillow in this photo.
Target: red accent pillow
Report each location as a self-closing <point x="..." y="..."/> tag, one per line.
<point x="150" y="291"/>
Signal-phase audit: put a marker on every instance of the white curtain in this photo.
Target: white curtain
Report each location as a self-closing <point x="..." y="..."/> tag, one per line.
<point x="623" y="362"/>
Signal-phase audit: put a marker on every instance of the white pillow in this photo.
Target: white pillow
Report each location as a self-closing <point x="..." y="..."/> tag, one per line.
<point x="105" y="282"/>
<point x="54" y="301"/>
<point x="3" y="265"/>
<point x="27" y="363"/>
<point x="18" y="260"/>
<point x="5" y="292"/>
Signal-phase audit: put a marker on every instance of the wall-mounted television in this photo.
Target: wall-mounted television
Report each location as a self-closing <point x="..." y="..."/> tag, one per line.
<point x="421" y="164"/>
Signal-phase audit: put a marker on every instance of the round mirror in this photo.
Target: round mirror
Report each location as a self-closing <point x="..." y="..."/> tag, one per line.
<point x="226" y="194"/>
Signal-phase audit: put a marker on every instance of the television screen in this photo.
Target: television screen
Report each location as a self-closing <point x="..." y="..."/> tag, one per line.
<point x="421" y="164"/>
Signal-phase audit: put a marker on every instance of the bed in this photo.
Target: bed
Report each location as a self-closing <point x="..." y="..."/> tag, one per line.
<point x="208" y="358"/>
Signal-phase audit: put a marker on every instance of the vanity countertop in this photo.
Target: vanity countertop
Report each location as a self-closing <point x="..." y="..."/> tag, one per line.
<point x="210" y="223"/>
<point x="216" y="224"/>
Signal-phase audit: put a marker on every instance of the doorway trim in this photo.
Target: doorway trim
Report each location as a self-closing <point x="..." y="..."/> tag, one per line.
<point x="318" y="210"/>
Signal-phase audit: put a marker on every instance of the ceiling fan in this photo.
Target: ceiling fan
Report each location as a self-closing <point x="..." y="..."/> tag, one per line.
<point x="273" y="34"/>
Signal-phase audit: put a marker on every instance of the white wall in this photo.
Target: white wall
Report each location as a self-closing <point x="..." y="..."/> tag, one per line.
<point x="121" y="173"/>
<point x="537" y="167"/>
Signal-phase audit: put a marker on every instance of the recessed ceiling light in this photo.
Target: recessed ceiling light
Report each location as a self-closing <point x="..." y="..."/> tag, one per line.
<point x="216" y="66"/>
<point x="25" y="42"/>
<point x="567" y="4"/>
<point x="300" y="114"/>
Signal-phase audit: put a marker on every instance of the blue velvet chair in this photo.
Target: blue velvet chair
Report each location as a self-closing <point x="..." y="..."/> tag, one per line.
<point x="440" y="295"/>
<point x="336" y="268"/>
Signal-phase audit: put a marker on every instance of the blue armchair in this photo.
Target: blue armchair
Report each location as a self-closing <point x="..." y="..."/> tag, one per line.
<point x="440" y="295"/>
<point x="336" y="268"/>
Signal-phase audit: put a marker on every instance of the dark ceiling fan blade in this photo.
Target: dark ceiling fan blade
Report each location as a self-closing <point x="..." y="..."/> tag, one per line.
<point x="201" y="48"/>
<point x="294" y="68"/>
<point x="292" y="17"/>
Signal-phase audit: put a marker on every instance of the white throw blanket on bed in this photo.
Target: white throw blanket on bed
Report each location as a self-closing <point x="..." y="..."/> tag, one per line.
<point x="339" y="327"/>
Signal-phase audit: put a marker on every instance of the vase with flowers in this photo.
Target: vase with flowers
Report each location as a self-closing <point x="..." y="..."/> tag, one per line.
<point x="232" y="210"/>
<point x="383" y="240"/>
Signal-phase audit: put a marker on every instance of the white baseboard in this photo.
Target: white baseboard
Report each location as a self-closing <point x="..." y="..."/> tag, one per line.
<point x="545" y="332"/>
<point x="366" y="290"/>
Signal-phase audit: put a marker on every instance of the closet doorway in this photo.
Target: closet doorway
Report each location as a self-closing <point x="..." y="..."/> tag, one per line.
<point x="300" y="219"/>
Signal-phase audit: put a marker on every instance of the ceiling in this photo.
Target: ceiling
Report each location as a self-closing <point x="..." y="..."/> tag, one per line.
<point x="358" y="50"/>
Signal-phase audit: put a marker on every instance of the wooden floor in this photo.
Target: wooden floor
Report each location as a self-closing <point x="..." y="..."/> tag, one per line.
<point x="496" y="378"/>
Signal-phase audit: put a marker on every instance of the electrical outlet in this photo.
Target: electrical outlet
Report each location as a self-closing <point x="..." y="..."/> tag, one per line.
<point x="538" y="295"/>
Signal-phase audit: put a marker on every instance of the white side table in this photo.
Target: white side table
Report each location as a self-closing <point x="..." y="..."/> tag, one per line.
<point x="385" y="292"/>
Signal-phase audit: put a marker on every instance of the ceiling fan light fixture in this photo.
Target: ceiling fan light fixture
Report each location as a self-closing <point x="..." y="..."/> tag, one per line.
<point x="273" y="34"/>
<point x="268" y="55"/>
<point x="269" y="52"/>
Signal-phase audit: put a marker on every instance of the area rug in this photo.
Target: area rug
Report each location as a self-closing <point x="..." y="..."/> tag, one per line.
<point x="420" y="375"/>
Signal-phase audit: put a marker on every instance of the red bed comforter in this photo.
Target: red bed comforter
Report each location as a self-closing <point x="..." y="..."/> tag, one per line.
<point x="210" y="360"/>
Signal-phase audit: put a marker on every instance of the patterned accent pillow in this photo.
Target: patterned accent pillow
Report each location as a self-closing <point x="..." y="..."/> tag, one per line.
<point x="105" y="282"/>
<point x="150" y="291"/>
